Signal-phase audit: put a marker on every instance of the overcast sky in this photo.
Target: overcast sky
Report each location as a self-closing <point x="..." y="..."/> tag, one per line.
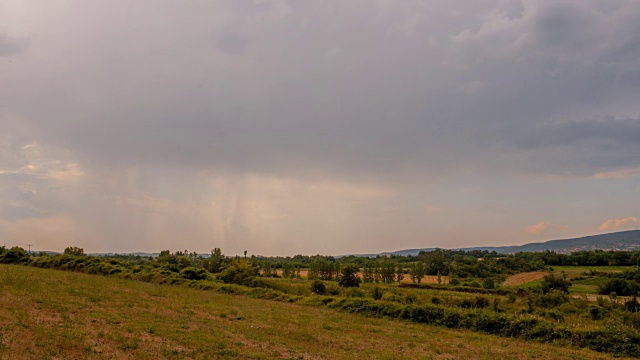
<point x="304" y="127"/>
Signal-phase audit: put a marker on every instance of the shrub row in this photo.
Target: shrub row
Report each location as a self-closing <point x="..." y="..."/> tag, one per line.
<point x="616" y="340"/>
<point x="457" y="288"/>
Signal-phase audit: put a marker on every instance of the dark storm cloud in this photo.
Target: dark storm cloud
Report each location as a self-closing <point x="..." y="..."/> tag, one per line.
<point x="355" y="89"/>
<point x="606" y="132"/>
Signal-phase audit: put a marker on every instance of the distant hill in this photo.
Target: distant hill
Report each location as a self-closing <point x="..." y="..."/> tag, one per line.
<point x="623" y="240"/>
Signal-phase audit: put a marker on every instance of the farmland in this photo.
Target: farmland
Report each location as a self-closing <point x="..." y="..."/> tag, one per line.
<point x="579" y="308"/>
<point x="54" y="314"/>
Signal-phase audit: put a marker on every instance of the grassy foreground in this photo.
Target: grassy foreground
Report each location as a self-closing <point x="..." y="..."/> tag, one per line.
<point x="48" y="314"/>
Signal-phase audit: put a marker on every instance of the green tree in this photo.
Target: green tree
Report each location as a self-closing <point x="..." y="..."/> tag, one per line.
<point x="216" y="262"/>
<point x="399" y="273"/>
<point x="368" y="272"/>
<point x="74" y="250"/>
<point x="555" y="281"/>
<point x="287" y="270"/>
<point x="349" y="276"/>
<point x="417" y="272"/>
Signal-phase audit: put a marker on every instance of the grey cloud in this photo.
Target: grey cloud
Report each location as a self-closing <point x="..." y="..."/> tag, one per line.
<point x="609" y="131"/>
<point x="10" y="46"/>
<point x="184" y="116"/>
<point x="231" y="43"/>
<point x="389" y="105"/>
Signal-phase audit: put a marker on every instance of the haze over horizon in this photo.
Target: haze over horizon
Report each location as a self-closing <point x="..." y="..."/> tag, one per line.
<point x="331" y="127"/>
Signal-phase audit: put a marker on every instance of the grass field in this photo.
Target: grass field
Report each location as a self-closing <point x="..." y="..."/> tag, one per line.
<point x="597" y="268"/>
<point x="48" y="314"/>
<point x="523" y="278"/>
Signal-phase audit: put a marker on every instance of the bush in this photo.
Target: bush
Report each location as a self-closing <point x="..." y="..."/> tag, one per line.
<point x="333" y="289"/>
<point x="632" y="304"/>
<point x="353" y="292"/>
<point x="454" y="282"/>
<point x="619" y="286"/>
<point x="318" y="287"/>
<point x="552" y="299"/>
<point x="240" y="272"/>
<point x="596" y="312"/>
<point x="193" y="273"/>
<point x="480" y="302"/>
<point x="488" y="283"/>
<point x="553" y="281"/>
<point x="376" y="293"/>
<point x="15" y="255"/>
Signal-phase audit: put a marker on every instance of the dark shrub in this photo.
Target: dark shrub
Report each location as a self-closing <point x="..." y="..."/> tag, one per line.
<point x="376" y="293"/>
<point x="619" y="286"/>
<point x="488" y="283"/>
<point x="193" y="273"/>
<point x="15" y="255"/>
<point x="318" y="287"/>
<point x="596" y="312"/>
<point x="553" y="281"/>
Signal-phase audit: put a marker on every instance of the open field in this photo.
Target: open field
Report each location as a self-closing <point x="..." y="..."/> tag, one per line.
<point x="524" y="278"/>
<point x="48" y="314"/>
<point x="597" y="268"/>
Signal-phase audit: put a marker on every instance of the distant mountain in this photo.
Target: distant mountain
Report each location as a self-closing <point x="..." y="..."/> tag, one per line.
<point x="623" y="240"/>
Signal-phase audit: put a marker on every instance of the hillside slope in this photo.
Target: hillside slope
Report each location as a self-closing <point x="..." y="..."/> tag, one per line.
<point x="623" y="240"/>
<point x="64" y="315"/>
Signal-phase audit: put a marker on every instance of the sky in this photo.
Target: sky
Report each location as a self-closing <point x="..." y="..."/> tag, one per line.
<point x="306" y="127"/>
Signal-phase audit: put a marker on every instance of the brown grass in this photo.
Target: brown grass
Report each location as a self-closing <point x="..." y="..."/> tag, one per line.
<point x="46" y="314"/>
<point x="524" y="278"/>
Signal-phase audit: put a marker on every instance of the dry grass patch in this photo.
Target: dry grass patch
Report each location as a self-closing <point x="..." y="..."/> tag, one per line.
<point x="524" y="278"/>
<point x="47" y="314"/>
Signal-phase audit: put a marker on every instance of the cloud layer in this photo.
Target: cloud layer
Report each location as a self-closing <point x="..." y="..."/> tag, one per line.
<point x="158" y="124"/>
<point x="629" y="223"/>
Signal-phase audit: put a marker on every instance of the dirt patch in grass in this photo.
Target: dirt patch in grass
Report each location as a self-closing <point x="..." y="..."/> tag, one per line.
<point x="524" y="278"/>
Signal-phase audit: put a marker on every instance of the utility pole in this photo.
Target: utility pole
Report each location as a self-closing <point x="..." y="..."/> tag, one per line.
<point x="29" y="245"/>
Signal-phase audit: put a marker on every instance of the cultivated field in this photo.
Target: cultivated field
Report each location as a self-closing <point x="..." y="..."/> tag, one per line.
<point x="524" y="278"/>
<point x="48" y="314"/>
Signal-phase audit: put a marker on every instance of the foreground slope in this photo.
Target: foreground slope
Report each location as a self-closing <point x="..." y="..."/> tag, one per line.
<point x="54" y="314"/>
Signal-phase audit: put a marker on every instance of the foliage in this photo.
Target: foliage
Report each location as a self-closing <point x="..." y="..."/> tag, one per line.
<point x="417" y="271"/>
<point x="349" y="276"/>
<point x="74" y="250"/>
<point x="216" y="263"/>
<point x="553" y="281"/>
<point x="488" y="283"/>
<point x="15" y="255"/>
<point x="193" y="273"/>
<point x="619" y="286"/>
<point x="240" y="271"/>
<point x="318" y="287"/>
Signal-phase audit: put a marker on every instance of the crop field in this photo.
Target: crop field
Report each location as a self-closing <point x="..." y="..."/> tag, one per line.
<point x="524" y="278"/>
<point x="50" y="314"/>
